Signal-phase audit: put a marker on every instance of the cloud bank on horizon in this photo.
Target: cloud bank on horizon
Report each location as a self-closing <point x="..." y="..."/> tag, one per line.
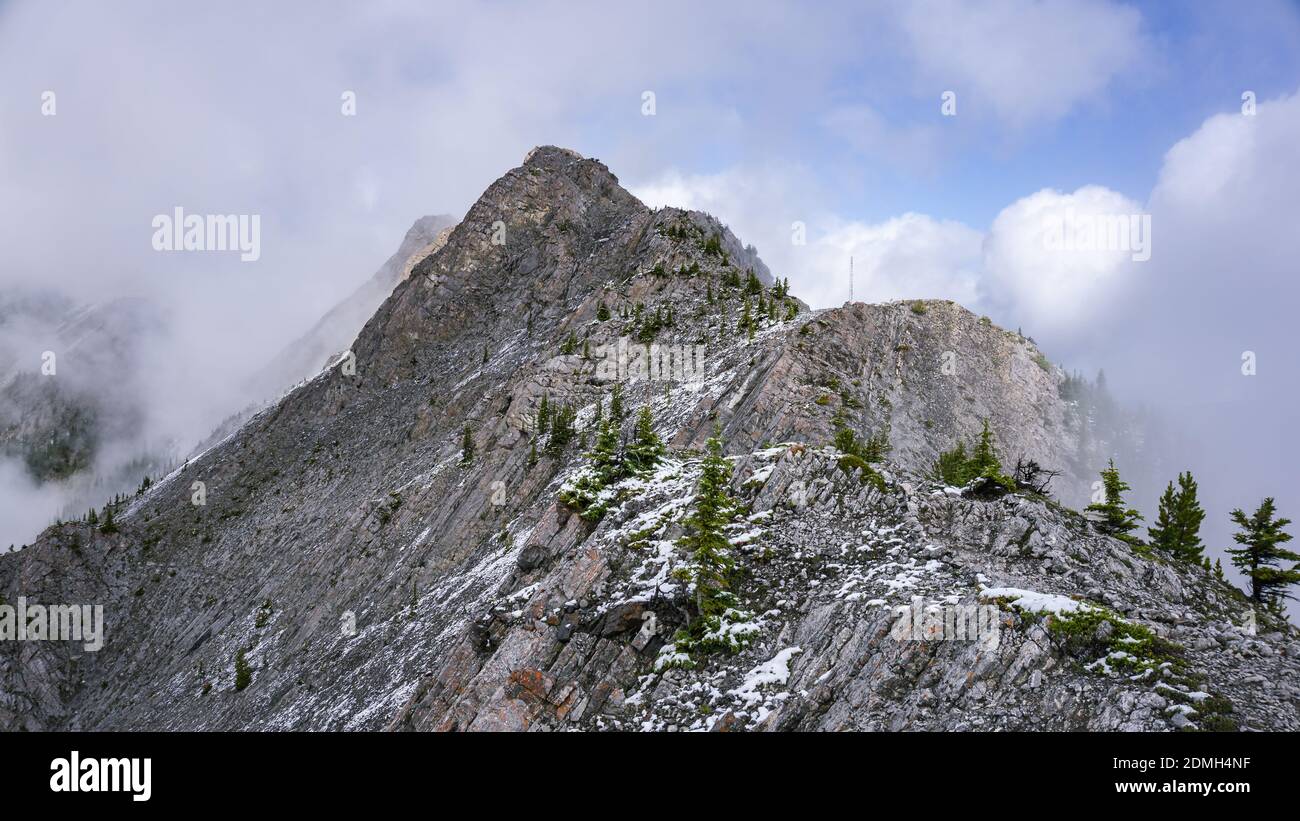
<point x="936" y="143"/>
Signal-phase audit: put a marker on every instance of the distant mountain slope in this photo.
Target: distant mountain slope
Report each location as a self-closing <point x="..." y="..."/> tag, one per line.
<point x="333" y="332"/>
<point x="57" y="415"/>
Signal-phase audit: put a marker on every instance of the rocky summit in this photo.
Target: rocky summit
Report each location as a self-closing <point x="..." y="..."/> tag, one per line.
<point x="424" y="535"/>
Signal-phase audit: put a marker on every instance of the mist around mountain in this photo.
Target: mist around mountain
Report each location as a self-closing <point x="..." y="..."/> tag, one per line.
<point x="74" y="420"/>
<point x="307" y="355"/>
<point x="85" y="410"/>
<point x="517" y="503"/>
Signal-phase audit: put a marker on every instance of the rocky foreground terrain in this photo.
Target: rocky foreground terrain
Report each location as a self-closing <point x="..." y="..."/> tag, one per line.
<point x="342" y="561"/>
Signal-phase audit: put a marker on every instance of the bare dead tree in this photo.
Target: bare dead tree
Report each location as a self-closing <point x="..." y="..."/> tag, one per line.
<point x="1033" y="477"/>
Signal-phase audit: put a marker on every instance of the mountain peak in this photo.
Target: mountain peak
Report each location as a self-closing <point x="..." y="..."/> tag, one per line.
<point x="550" y="153"/>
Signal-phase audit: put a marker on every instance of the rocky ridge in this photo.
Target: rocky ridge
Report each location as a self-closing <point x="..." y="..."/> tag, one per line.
<point x="373" y="577"/>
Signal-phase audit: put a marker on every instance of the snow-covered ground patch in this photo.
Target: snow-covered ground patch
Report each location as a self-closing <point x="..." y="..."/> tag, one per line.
<point x="1032" y="601"/>
<point x="775" y="671"/>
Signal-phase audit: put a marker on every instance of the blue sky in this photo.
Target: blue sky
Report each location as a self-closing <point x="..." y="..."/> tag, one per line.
<point x="1195" y="61"/>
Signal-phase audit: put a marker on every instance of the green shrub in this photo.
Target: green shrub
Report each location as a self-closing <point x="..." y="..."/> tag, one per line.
<point x="957" y="469"/>
<point x="611" y="463"/>
<point x="243" y="671"/>
<point x="1094" y="634"/>
<point x="851" y="462"/>
<point x="859" y="455"/>
<point x="264" y="614"/>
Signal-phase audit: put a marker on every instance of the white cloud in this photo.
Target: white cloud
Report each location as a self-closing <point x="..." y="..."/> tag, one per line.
<point x="1010" y="270"/>
<point x="24" y="508"/>
<point x="1233" y="156"/>
<point x="907" y="257"/>
<point x="1028" y="61"/>
<point x="1029" y="275"/>
<point x="758" y="203"/>
<point x="1224" y="268"/>
<point x="696" y="192"/>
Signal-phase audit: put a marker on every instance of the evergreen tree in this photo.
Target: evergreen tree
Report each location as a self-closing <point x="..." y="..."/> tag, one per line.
<point x="602" y="312"/>
<point x="985" y="468"/>
<point x="875" y="448"/>
<point x="1178" y="522"/>
<point x="955" y="467"/>
<point x="951" y="467"/>
<point x="570" y="344"/>
<point x="746" y="323"/>
<point x="605" y="457"/>
<point x="859" y="455"/>
<point x="532" y="455"/>
<point x="846" y="441"/>
<point x="984" y="460"/>
<point x="1261" y="539"/>
<point x="616" y="411"/>
<point x="562" y="430"/>
<point x="109" y="526"/>
<point x="543" y="416"/>
<point x="705" y="539"/>
<point x="466" y="446"/>
<point x="1118" y="520"/>
<point x="646" y="449"/>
